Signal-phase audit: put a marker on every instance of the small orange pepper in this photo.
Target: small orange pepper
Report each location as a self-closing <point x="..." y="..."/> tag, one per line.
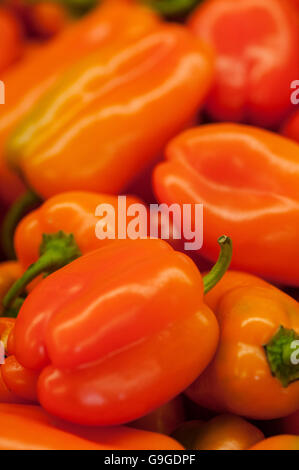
<point x="254" y="372"/>
<point x="62" y="229"/>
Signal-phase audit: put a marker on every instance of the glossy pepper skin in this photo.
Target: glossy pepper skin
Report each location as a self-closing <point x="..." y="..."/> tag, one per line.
<point x="125" y="312"/>
<point x="282" y="442"/>
<point x="62" y="229"/>
<point x="133" y="97"/>
<point x="256" y="47"/>
<point x="113" y="20"/>
<point x="73" y="213"/>
<point x="291" y="127"/>
<point x="224" y="432"/>
<point x="246" y="377"/>
<point x="247" y="180"/>
<point x="44" y="433"/>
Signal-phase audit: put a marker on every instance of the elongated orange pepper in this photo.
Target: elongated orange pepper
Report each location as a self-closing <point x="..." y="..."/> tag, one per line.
<point x="111" y="21"/>
<point x="63" y="228"/>
<point x="282" y="442"/>
<point x="29" y="428"/>
<point x="254" y="372"/>
<point x="107" y="342"/>
<point x="247" y="180"/>
<point x="111" y="114"/>
<point x="256" y="49"/>
<point x="224" y="432"/>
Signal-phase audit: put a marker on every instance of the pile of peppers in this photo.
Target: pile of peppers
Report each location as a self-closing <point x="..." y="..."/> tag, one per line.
<point x="113" y="343"/>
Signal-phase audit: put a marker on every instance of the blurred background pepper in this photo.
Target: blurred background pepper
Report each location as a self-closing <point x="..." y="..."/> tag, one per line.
<point x="111" y="115"/>
<point x="113" y="20"/>
<point x="247" y="180"/>
<point x="256" y="47"/>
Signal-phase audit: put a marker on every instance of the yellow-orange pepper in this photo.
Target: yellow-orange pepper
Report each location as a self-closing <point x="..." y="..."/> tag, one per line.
<point x="254" y="372"/>
<point x="112" y="113"/>
<point x="26" y="82"/>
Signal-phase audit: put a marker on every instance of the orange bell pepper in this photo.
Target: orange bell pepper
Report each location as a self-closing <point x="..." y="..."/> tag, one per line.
<point x="133" y="97"/>
<point x="11" y="39"/>
<point x="113" y="20"/>
<point x="291" y="127"/>
<point x="256" y="48"/>
<point x="30" y="428"/>
<point x="252" y="373"/>
<point x="224" y="432"/>
<point x="283" y="442"/>
<point x="247" y="179"/>
<point x="62" y="229"/>
<point x="107" y="343"/>
<point x="73" y="213"/>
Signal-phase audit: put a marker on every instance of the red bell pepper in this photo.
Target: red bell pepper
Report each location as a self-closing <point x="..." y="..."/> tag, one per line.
<point x="257" y="58"/>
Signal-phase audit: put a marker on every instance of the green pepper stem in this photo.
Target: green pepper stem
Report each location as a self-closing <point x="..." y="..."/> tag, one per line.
<point x="282" y="353"/>
<point x="21" y="207"/>
<point x="222" y="264"/>
<point x="56" y="251"/>
<point x="13" y="311"/>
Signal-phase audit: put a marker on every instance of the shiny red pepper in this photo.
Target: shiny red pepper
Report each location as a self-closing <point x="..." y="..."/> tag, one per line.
<point x="257" y="58"/>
